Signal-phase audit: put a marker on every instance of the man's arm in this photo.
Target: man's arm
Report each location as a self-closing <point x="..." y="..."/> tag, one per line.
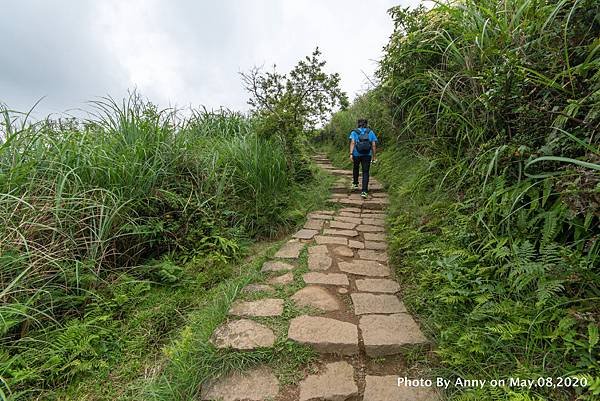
<point x="374" y="147"/>
<point x="351" y="148"/>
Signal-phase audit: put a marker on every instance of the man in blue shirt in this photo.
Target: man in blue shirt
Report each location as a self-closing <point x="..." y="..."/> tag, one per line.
<point x="362" y="149"/>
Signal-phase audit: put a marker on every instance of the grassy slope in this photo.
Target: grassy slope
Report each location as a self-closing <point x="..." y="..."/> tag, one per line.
<point x="164" y="353"/>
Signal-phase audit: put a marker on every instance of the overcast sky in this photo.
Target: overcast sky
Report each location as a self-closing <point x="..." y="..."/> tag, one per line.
<point x="177" y="52"/>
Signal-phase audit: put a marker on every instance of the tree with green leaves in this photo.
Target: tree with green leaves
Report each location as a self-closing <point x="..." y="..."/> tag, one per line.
<point x="288" y="106"/>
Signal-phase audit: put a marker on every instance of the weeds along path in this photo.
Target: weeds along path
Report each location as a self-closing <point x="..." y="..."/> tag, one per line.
<point x="346" y="308"/>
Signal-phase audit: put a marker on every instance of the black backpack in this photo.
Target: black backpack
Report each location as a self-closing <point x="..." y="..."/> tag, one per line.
<point x="363" y="145"/>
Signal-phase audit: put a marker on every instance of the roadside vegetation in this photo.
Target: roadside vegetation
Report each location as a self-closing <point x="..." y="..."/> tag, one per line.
<point x="488" y="114"/>
<point x="124" y="236"/>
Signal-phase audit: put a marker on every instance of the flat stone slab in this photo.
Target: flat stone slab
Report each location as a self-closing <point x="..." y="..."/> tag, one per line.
<point x="347" y="202"/>
<point x="365" y="303"/>
<point x="354" y="214"/>
<point x="347" y="219"/>
<point x="369" y="229"/>
<point x="379" y="246"/>
<point x="356" y="244"/>
<point x="374" y="236"/>
<point x="385" y="388"/>
<point x="341" y="225"/>
<point x="256" y="385"/>
<point x="370" y="254"/>
<point x="343" y="233"/>
<point x="318" y="250"/>
<point x="320" y="216"/>
<point x="325" y="335"/>
<point x="261" y="307"/>
<point x="364" y="268"/>
<point x="282" y="280"/>
<point x="377" y="285"/>
<point x="325" y="278"/>
<point x="373" y="222"/>
<point x="305" y="234"/>
<point x="389" y="335"/>
<point x="316" y="297"/>
<point x="314" y="224"/>
<point x="319" y="262"/>
<point x="343" y="251"/>
<point x="242" y="334"/>
<point x="290" y="250"/>
<point x="336" y="383"/>
<point x="324" y="240"/>
<point x="350" y="209"/>
<point x="250" y="288"/>
<point x="276" y="266"/>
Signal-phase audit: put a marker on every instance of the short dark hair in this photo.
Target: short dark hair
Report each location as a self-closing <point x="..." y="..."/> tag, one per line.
<point x="362" y="123"/>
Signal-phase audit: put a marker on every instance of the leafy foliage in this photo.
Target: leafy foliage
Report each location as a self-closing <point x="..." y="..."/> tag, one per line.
<point x="490" y="110"/>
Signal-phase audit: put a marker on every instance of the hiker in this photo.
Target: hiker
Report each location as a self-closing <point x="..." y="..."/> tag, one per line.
<point x="362" y="151"/>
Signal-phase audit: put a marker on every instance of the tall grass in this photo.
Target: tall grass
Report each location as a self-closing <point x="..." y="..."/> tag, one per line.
<point x="83" y="201"/>
<point x="496" y="104"/>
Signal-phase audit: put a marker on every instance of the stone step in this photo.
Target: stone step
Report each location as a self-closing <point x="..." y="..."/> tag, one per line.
<point x="290" y="250"/>
<point x="335" y="383"/>
<point x="326" y="278"/>
<point x="367" y="303"/>
<point x="316" y="297"/>
<point x="242" y="334"/>
<point x="364" y="268"/>
<point x="389" y="334"/>
<point x="386" y="388"/>
<point x="256" y="385"/>
<point x="319" y="262"/>
<point x="325" y="335"/>
<point x="260" y="308"/>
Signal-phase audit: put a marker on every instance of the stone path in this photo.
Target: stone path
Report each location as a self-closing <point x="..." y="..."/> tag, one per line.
<point x="358" y="314"/>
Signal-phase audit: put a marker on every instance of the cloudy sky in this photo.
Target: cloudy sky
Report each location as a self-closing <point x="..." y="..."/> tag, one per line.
<point x="177" y="52"/>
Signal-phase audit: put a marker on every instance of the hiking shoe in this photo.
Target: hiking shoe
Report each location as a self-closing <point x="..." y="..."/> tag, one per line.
<point x="363" y="195"/>
<point x="354" y="187"/>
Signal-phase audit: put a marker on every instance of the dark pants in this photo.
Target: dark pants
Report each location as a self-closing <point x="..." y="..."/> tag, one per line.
<point x="365" y="161"/>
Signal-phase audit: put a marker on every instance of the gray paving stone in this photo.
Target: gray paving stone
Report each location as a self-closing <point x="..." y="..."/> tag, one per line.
<point x="282" y="280"/>
<point x="342" y="233"/>
<point x="290" y="250"/>
<point x="242" y="334"/>
<point x="336" y="383"/>
<point x="343" y="251"/>
<point x="364" y="268"/>
<point x="356" y="244"/>
<point x="318" y="250"/>
<point x="355" y="215"/>
<point x="316" y="297"/>
<point x="350" y="209"/>
<point x="314" y="224"/>
<point x="305" y="234"/>
<point x="319" y="262"/>
<point x="261" y="307"/>
<point x="324" y="240"/>
<point x="347" y="219"/>
<point x="250" y="288"/>
<point x="374" y="236"/>
<point x="325" y="278"/>
<point x="373" y="255"/>
<point x="325" y="335"/>
<point x="374" y="245"/>
<point x="374" y="222"/>
<point x="365" y="303"/>
<point x="257" y="384"/>
<point x="341" y="225"/>
<point x="325" y="212"/>
<point x="276" y="266"/>
<point x="389" y="335"/>
<point x="369" y="229"/>
<point x="385" y="388"/>
<point x="377" y="285"/>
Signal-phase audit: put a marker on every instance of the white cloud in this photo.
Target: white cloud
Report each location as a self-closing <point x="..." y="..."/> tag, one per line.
<point x="181" y="51"/>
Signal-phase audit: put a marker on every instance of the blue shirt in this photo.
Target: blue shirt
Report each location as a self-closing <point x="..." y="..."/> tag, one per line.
<point x="354" y="135"/>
